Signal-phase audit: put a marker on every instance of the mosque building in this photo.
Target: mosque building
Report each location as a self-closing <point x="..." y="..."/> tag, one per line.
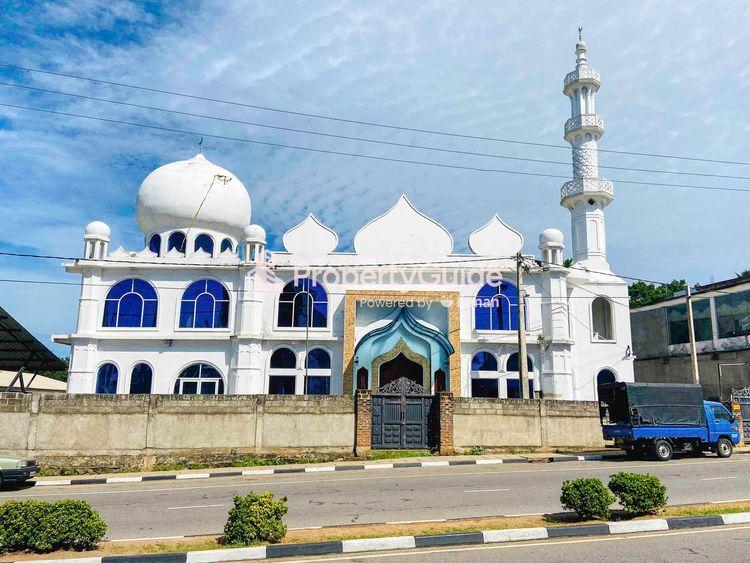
<point x="206" y="308"/>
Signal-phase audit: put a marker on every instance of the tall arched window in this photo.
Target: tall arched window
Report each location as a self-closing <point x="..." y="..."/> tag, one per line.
<point x="601" y="319"/>
<point x="514" y="385"/>
<point x="176" y="240"/>
<point x="226" y="244"/>
<point x="282" y="373"/>
<point x="154" y="244"/>
<point x="205" y="243"/>
<point x="512" y="364"/>
<point x="318" y="377"/>
<point x="199" y="379"/>
<point x="303" y="303"/>
<point x="483" y="361"/>
<point x="130" y="303"/>
<point x="106" y="379"/>
<point x="363" y="377"/>
<point x="496" y="307"/>
<point x="205" y="304"/>
<point x="602" y="378"/>
<point x="140" y="379"/>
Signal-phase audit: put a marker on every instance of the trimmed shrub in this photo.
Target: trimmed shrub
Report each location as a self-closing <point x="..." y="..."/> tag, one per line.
<point x="255" y="518"/>
<point x="638" y="493"/>
<point x="44" y="526"/>
<point x="588" y="497"/>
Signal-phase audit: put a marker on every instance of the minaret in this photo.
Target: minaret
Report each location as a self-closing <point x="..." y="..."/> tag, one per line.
<point x="586" y="195"/>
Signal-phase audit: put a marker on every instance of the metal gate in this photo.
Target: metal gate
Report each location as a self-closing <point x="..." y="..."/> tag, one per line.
<point x="742" y="396"/>
<point x="403" y="416"/>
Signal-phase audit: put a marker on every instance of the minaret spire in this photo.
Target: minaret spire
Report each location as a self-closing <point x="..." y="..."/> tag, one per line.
<point x="586" y="195"/>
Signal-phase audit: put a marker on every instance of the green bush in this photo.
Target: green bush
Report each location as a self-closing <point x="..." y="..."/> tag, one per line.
<point x="588" y="497"/>
<point x="44" y="526"/>
<point x="255" y="518"/>
<point x="637" y="493"/>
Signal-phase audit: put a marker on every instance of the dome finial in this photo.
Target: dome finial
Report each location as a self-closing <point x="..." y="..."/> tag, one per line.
<point x="580" y="39"/>
<point x="581" y="50"/>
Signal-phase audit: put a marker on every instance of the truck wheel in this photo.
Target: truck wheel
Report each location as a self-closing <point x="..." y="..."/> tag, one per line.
<point x="662" y="450"/>
<point x="724" y="448"/>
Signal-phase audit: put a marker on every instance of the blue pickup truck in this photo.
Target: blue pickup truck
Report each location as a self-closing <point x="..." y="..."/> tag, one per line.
<point x="657" y="419"/>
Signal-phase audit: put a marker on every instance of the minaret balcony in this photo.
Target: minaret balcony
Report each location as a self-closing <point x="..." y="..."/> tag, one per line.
<point x="581" y="77"/>
<point x="587" y="187"/>
<point x="584" y="123"/>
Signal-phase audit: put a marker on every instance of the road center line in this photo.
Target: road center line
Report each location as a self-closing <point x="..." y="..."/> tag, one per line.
<point x="486" y="490"/>
<point x="194" y="506"/>
<point x="717" y="478"/>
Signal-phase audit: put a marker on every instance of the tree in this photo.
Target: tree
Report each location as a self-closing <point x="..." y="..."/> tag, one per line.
<point x="61" y="375"/>
<point x="643" y="293"/>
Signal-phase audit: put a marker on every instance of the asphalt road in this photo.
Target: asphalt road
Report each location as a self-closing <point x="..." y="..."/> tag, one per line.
<point x="704" y="544"/>
<point x="177" y="508"/>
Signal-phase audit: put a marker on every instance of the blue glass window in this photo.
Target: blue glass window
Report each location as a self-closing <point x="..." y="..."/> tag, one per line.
<point x="496" y="307"/>
<point x="514" y="388"/>
<point x="176" y="240"/>
<point x="205" y="304"/>
<point x="484" y="388"/>
<point x="204" y="242"/>
<point x="318" y="358"/>
<point x="512" y="364"/>
<point x="318" y="385"/>
<point x="130" y="303"/>
<point x="199" y="379"/>
<point x="226" y="244"/>
<point x="281" y="385"/>
<point x="106" y="379"/>
<point x="483" y="361"/>
<point x="154" y="244"/>
<point x="140" y="379"/>
<point x="303" y="303"/>
<point x="283" y="358"/>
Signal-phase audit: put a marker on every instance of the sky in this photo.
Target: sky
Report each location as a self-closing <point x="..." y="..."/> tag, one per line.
<point x="675" y="81"/>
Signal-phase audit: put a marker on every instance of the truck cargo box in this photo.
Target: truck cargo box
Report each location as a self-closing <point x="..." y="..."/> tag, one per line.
<point x="650" y="404"/>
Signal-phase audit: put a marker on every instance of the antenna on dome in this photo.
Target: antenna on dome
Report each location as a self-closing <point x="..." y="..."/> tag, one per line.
<point x="200" y="146"/>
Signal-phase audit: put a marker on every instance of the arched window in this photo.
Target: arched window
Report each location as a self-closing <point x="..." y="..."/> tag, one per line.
<point x="226" y="244"/>
<point x="602" y="378"/>
<point x="130" y="303"/>
<point x="496" y="307"/>
<point x="303" y="303"/>
<point x="513" y="386"/>
<point x="282" y="374"/>
<point x="512" y="364"/>
<point x="318" y="377"/>
<point x="154" y="244"/>
<point x="176" y="240"/>
<point x="199" y="379"/>
<point x="483" y="361"/>
<point x="205" y="304"/>
<point x="362" y="378"/>
<point x="601" y="319"/>
<point x="140" y="379"/>
<point x="205" y="243"/>
<point x="106" y="379"/>
<point x="441" y="381"/>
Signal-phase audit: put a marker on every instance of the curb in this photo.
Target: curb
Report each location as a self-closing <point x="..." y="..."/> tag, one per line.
<point x="314" y="469"/>
<point x="411" y="542"/>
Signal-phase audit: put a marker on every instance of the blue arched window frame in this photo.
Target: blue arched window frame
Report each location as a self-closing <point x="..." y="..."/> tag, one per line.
<point x="154" y="244"/>
<point x="177" y="240"/>
<point x="204" y="242"/>
<point x="106" y="378"/>
<point x="204" y="304"/>
<point x="226" y="244"/>
<point x="496" y="307"/>
<point x="130" y="303"/>
<point x="141" y="379"/>
<point x="483" y="361"/>
<point x="303" y="303"/>
<point x="282" y="372"/>
<point x="318" y="372"/>
<point x="199" y="379"/>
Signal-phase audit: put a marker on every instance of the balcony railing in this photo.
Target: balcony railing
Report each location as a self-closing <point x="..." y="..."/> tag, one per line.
<point x="584" y="121"/>
<point x="587" y="74"/>
<point x="586" y="185"/>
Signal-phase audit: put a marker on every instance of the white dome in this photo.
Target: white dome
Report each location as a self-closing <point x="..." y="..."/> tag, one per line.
<point x="171" y="195"/>
<point x="255" y="233"/>
<point x="97" y="229"/>
<point x="551" y="236"/>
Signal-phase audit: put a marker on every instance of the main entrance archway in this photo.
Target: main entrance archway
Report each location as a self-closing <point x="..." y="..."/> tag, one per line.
<point x="399" y="367"/>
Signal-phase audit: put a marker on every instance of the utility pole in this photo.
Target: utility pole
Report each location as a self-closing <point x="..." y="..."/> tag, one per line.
<point x="523" y="370"/>
<point x="691" y="333"/>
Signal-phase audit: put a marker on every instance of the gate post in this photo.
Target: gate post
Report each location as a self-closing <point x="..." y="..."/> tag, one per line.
<point x="737" y="414"/>
<point x="445" y="418"/>
<point x="362" y="422"/>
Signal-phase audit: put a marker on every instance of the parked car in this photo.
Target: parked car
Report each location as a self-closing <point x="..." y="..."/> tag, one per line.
<point x="657" y="419"/>
<point x="15" y="470"/>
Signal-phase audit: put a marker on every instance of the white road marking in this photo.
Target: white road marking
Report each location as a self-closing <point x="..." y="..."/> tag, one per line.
<point x="486" y="490"/>
<point x="307" y="528"/>
<point x="147" y="539"/>
<point x="718" y="478"/>
<point x="419" y="521"/>
<point x="194" y="506"/>
<point x="730" y="500"/>
<point x="489" y="471"/>
<point x="527" y="514"/>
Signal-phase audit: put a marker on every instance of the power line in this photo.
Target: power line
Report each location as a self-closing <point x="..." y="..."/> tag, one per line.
<point x="360" y="139"/>
<point x="354" y="121"/>
<point x="357" y="155"/>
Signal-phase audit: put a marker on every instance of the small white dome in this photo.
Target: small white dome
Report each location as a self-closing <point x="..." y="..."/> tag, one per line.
<point x="97" y="229"/>
<point x="171" y="195"/>
<point x="255" y="233"/>
<point x="551" y="236"/>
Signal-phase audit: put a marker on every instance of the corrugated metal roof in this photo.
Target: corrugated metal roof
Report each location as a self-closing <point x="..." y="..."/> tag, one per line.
<point x="20" y="349"/>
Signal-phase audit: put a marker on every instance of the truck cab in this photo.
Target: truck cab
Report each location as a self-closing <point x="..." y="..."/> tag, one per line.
<point x="721" y="424"/>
